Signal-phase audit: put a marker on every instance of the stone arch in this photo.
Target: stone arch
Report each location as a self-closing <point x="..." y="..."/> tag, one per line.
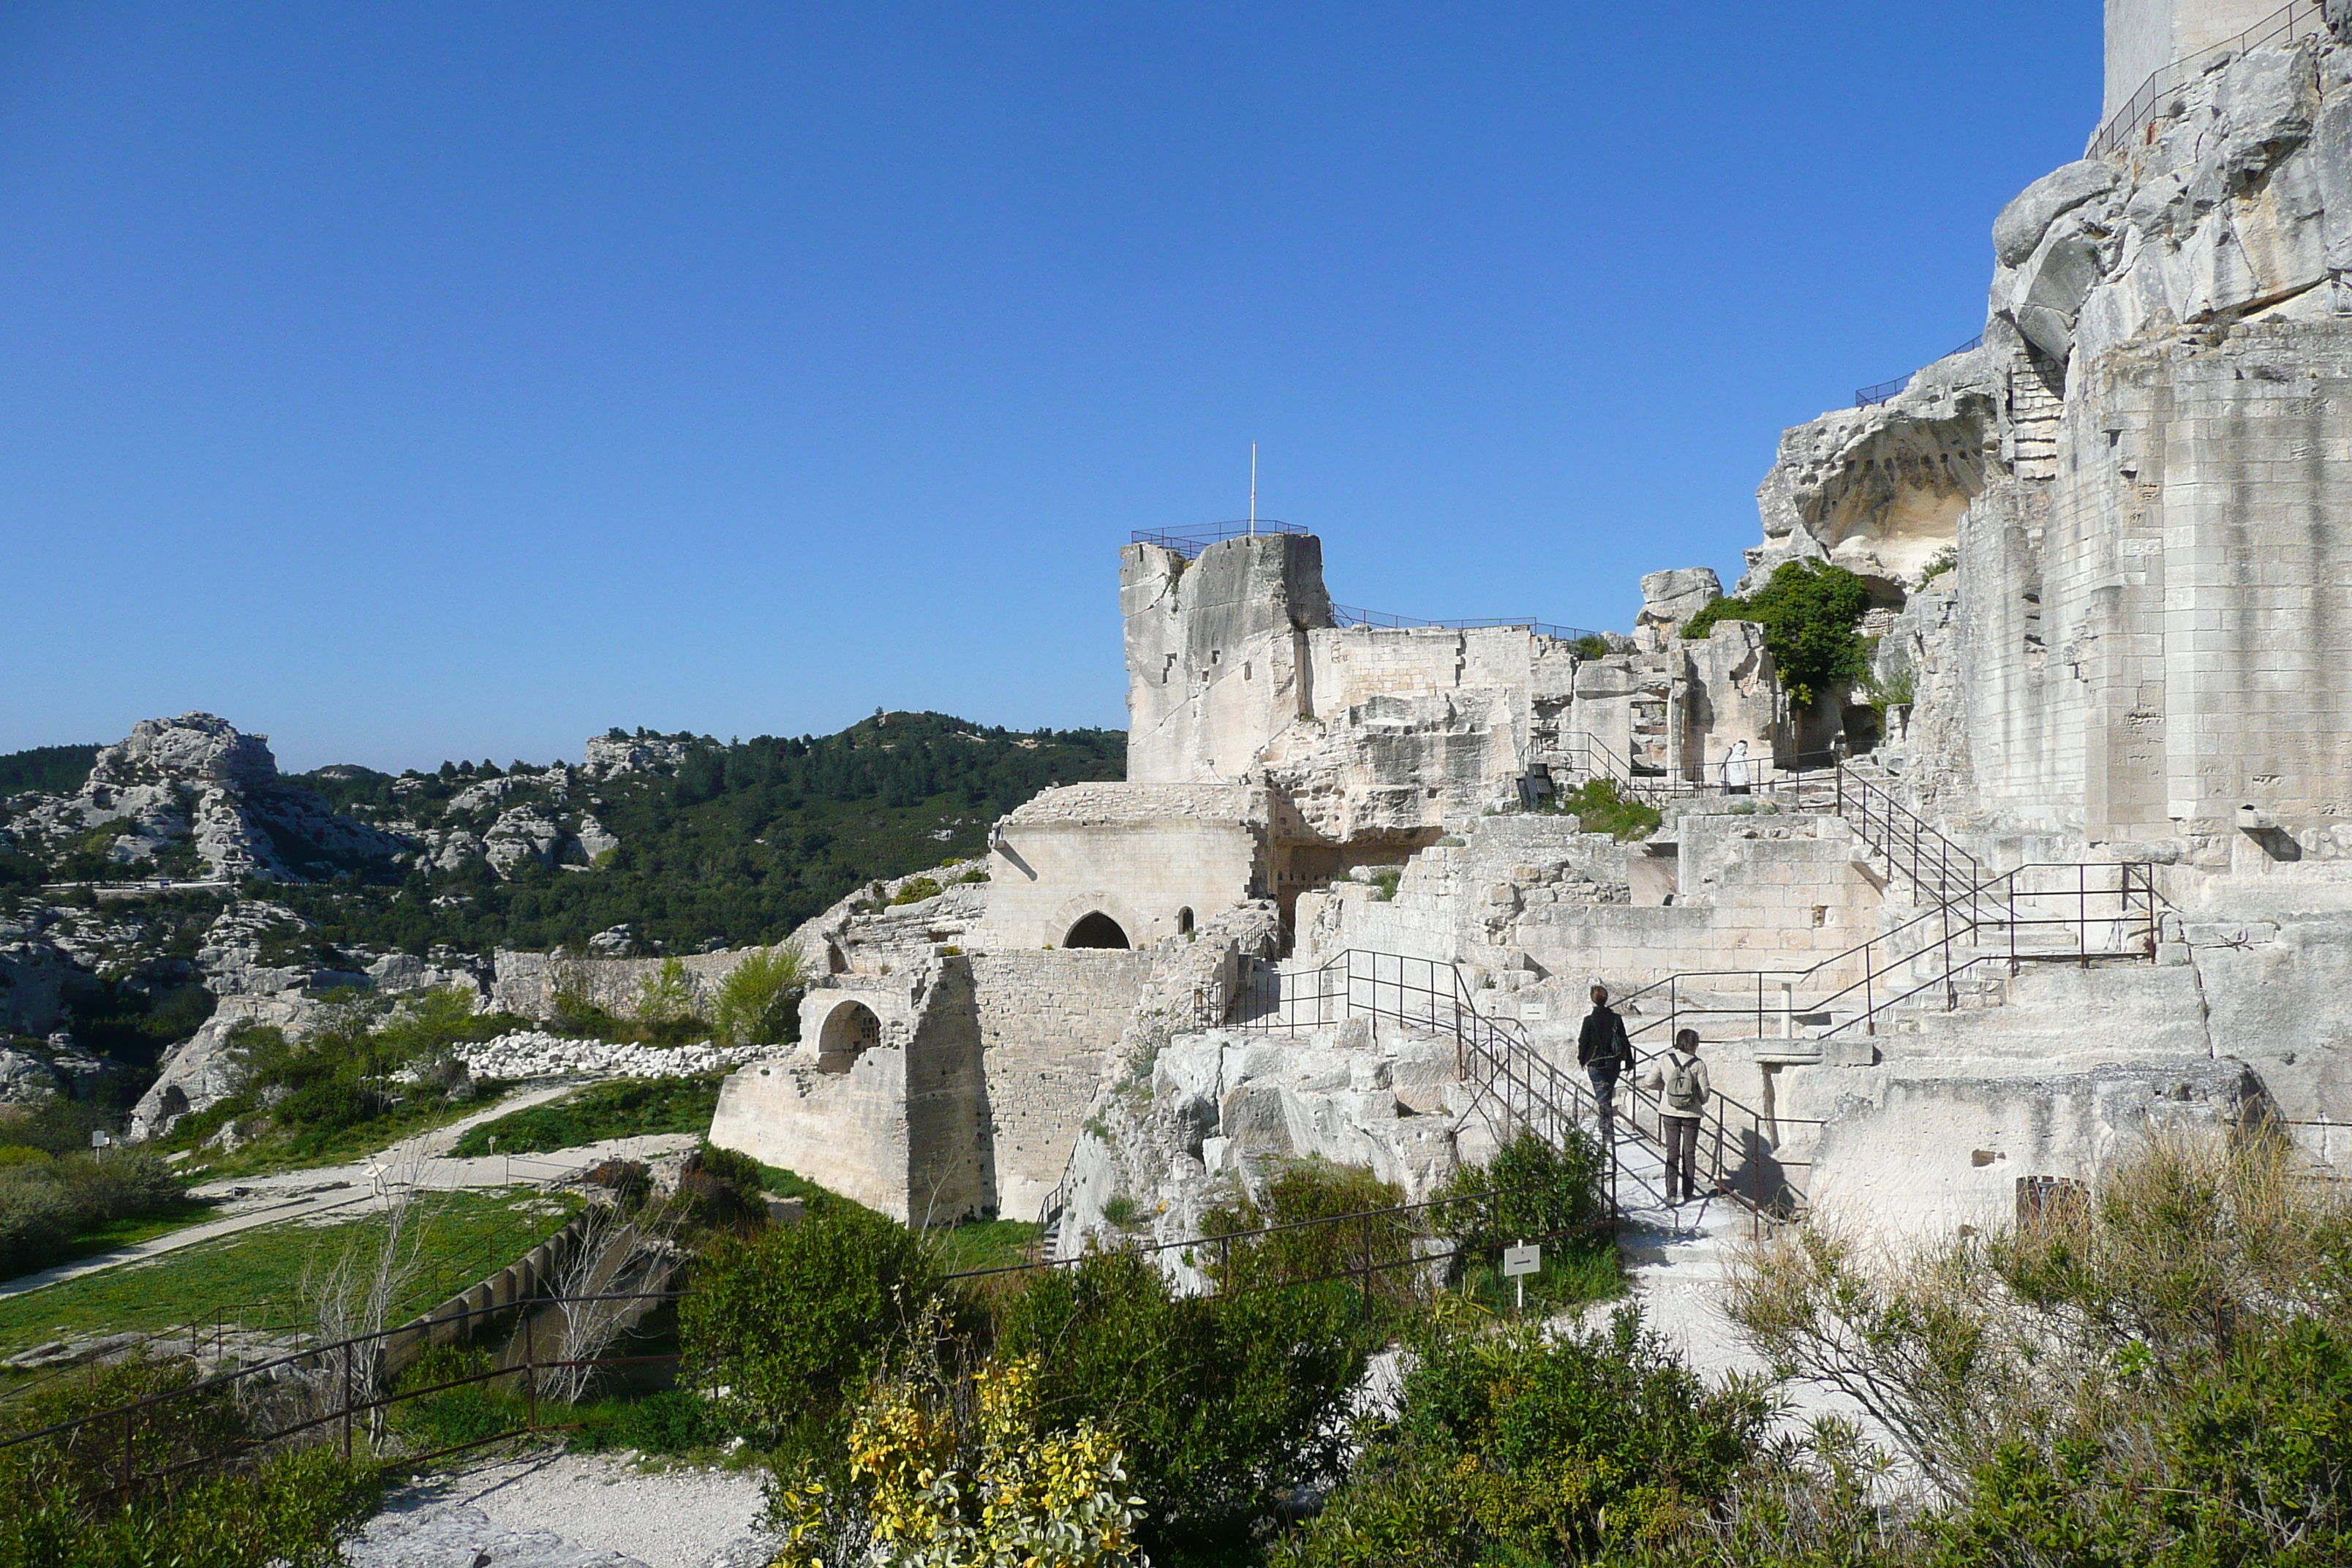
<point x="1096" y="929"/>
<point x="1132" y="924"/>
<point x="1184" y="921"/>
<point x="850" y="1029"/>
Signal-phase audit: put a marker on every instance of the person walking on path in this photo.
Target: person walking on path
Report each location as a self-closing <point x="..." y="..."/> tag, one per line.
<point x="1603" y="1051"/>
<point x="1681" y="1079"/>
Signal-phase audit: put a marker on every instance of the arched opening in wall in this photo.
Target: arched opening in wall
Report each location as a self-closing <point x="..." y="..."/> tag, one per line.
<point x="850" y="1030"/>
<point x="1096" y="930"/>
<point x="1184" y="922"/>
<point x="834" y="963"/>
<point x="174" y="1102"/>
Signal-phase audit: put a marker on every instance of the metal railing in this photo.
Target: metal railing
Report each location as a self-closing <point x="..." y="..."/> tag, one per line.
<point x="2113" y="913"/>
<point x="1190" y="542"/>
<point x="1803" y="781"/>
<point x="2298" y="19"/>
<point x="1498" y="1058"/>
<point x="1351" y="615"/>
<point x="1885" y="390"/>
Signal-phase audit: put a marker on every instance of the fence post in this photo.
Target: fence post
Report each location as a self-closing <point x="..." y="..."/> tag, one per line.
<point x="530" y="1372"/>
<point x="347" y="1399"/>
<point x="1364" y="1241"/>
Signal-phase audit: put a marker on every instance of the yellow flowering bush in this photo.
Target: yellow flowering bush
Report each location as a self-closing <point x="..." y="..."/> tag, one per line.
<point x="942" y="1475"/>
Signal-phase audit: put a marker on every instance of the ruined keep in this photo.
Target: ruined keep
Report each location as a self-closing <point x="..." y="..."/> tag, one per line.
<point x="2076" y="860"/>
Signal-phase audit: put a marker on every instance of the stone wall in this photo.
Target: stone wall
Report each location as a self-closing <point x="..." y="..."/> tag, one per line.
<point x="1143" y="855"/>
<point x="1045" y="1019"/>
<point x="525" y="983"/>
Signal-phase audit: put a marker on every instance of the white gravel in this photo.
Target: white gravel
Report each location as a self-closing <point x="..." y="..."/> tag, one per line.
<point x="534" y="1053"/>
<point x="571" y="1510"/>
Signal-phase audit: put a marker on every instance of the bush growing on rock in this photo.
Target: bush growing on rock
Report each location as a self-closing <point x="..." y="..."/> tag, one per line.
<point x="756" y="1001"/>
<point x="1809" y="610"/>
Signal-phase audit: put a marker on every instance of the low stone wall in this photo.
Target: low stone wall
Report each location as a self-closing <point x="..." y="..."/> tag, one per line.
<point x="1045" y="1019"/>
<point x="525" y="982"/>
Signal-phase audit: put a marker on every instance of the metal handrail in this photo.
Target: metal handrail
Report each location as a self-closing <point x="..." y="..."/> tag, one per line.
<point x="2296" y="19"/>
<point x="1865" y="396"/>
<point x="1351" y="615"/>
<point x="1190" y="542"/>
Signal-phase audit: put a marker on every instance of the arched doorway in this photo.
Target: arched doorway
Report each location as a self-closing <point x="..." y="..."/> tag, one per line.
<point x="850" y="1030"/>
<point x="1185" y="922"/>
<point x="1096" y="930"/>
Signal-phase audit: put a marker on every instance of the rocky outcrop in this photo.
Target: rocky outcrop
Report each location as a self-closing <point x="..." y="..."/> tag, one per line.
<point x="612" y="752"/>
<point x="195" y="796"/>
<point x="208" y="1068"/>
<point x="1669" y="599"/>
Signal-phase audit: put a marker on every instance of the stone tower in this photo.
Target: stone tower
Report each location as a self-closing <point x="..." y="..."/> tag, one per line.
<point x="2146" y="35"/>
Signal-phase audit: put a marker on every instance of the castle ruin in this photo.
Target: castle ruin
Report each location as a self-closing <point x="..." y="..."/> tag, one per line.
<point x="2076" y="860"/>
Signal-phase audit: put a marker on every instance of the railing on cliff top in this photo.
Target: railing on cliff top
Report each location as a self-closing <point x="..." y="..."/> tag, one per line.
<point x="1349" y="616"/>
<point x="1190" y="542"/>
<point x="2298" y="19"/>
<point x="1865" y="395"/>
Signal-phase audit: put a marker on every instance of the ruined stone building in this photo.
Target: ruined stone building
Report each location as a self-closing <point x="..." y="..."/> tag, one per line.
<point x="2077" y="861"/>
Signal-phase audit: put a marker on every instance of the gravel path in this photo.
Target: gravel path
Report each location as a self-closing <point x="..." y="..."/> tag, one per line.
<point x="569" y="1510"/>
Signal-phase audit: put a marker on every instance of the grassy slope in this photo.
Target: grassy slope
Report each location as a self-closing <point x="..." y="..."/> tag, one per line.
<point x="255" y="1277"/>
<point x="628" y="1108"/>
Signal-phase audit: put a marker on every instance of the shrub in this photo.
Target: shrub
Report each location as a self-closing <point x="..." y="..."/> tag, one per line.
<point x="1265" y="1380"/>
<point x="1943" y="561"/>
<point x="1601" y="807"/>
<point x="949" y="1471"/>
<point x="1384" y="883"/>
<point x="667" y="996"/>
<point x="45" y="1203"/>
<point x="2162" y="1371"/>
<point x="1530" y="1190"/>
<point x="1591" y="644"/>
<point x="794" y="1319"/>
<point x="1519" y="1446"/>
<point x="1809" y="610"/>
<point x="755" y="1003"/>
<point x="215" y="1512"/>
<point x="1304" y="1190"/>
<point x="915" y="890"/>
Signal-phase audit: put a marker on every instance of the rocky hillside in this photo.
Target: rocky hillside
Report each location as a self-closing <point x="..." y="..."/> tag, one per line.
<point x="284" y="886"/>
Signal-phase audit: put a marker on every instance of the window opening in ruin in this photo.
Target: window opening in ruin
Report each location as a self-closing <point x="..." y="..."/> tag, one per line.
<point x="1096" y="930"/>
<point x="850" y="1030"/>
<point x="834" y="963"/>
<point x="1184" y="922"/>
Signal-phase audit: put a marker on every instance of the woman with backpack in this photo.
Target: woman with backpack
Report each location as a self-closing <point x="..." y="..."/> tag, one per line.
<point x="1680" y="1079"/>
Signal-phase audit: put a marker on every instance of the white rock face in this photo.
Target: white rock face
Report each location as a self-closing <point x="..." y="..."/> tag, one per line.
<point x="1668" y="600"/>
<point x="198" y="779"/>
<point x="608" y="756"/>
<point x="521" y="833"/>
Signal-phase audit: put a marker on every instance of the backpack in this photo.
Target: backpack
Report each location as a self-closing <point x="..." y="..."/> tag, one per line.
<point x="1682" y="1084"/>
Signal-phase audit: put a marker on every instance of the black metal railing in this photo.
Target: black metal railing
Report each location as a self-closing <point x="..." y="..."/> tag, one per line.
<point x="1742" y="1148"/>
<point x="1351" y="615"/>
<point x="1865" y="395"/>
<point x="1190" y="542"/>
<point x="2298" y="19"/>
<point x="1803" y="781"/>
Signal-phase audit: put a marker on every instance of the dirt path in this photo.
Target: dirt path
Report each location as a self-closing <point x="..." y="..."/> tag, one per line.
<point x="420" y="1163"/>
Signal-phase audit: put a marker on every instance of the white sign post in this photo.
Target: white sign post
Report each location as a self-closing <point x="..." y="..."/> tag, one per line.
<point x="1520" y="1261"/>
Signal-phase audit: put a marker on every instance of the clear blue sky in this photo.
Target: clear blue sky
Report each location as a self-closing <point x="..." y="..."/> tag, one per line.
<point x="420" y="380"/>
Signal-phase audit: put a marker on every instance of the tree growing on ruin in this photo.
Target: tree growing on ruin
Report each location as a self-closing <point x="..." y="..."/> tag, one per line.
<point x="1809" y="610"/>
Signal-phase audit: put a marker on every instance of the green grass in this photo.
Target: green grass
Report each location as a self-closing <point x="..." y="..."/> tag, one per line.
<point x="1601" y="807"/>
<point x="268" y="1153"/>
<point x="986" y="1243"/>
<point x="628" y="1108"/>
<point x="129" y="1232"/>
<point x="255" y="1277"/>
<point x="1574" y="1274"/>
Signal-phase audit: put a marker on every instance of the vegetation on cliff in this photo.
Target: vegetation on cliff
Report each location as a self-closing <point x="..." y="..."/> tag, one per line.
<point x="1809" y="610"/>
<point x="735" y="844"/>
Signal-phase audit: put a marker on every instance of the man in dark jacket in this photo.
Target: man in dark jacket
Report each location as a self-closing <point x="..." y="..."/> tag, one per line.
<point x="1603" y="1051"/>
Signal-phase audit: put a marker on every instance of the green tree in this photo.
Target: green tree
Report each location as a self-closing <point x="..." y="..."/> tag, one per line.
<point x="1809" y="610"/>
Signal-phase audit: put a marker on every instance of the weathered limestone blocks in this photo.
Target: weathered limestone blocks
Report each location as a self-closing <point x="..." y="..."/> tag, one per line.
<point x="1045" y="1020"/>
<point x="1669" y="599"/>
<point x="1125" y="864"/>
